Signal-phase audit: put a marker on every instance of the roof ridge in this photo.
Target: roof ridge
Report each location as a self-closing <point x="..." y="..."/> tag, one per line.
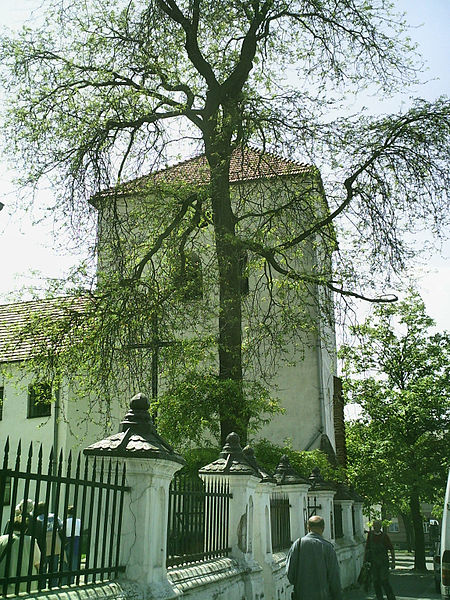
<point x="259" y="151"/>
<point x="175" y="165"/>
<point x="40" y="300"/>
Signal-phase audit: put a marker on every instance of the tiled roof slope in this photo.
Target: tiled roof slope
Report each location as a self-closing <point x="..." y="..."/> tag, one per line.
<point x="246" y="164"/>
<point x="15" y="345"/>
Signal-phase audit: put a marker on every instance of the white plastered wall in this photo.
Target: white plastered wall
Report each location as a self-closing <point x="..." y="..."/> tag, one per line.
<point x="305" y="386"/>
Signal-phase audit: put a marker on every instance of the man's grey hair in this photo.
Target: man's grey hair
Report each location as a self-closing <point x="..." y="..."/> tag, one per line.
<point x="316" y="523"/>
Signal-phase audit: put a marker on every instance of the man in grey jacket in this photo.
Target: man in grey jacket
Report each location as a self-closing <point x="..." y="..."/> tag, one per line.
<point x="312" y="565"/>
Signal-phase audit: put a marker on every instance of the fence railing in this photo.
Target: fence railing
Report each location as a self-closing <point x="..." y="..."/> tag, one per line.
<point x="61" y="525"/>
<point x="198" y="519"/>
<point x="280" y="521"/>
<point x="338" y="528"/>
<point x="310" y="509"/>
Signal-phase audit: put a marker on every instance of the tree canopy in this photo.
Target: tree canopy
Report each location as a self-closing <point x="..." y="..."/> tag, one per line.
<point x="101" y="93"/>
<point x="399" y="376"/>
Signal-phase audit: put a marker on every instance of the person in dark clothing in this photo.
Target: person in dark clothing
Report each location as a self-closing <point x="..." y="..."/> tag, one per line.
<point x="72" y="548"/>
<point x="312" y="565"/>
<point x="378" y="545"/>
<point x="52" y="535"/>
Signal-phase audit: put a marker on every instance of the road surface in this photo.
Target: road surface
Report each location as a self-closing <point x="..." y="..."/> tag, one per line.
<point x="406" y="584"/>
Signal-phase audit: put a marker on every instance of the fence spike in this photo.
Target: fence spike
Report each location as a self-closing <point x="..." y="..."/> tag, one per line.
<point x="86" y="467"/>
<point x="69" y="464"/>
<point x="39" y="465"/>
<point x="6" y="453"/>
<point x="18" y="455"/>
<point x="30" y="457"/>
<point x="78" y="467"/>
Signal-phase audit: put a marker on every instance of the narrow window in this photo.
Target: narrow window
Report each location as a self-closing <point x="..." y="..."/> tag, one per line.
<point x="39" y="400"/>
<point x="393" y="526"/>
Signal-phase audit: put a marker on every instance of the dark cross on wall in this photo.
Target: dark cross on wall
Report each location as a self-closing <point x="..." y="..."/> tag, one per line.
<point x="154" y="345"/>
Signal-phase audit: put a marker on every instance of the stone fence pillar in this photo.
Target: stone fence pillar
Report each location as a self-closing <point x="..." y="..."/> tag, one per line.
<point x="243" y="479"/>
<point x="344" y="499"/>
<point x="358" y="515"/>
<point x="320" y="501"/>
<point x="150" y="465"/>
<point x="296" y="487"/>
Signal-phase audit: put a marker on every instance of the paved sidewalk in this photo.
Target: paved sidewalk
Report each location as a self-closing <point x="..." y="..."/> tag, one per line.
<point x="407" y="584"/>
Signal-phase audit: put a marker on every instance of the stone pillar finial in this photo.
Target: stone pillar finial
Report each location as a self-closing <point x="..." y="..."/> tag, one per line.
<point x="138" y="418"/>
<point x="137" y="436"/>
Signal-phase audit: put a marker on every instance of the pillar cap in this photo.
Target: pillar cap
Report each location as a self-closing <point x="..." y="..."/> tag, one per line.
<point x="318" y="483"/>
<point x="264" y="475"/>
<point x="231" y="461"/>
<point x="286" y="474"/>
<point x="137" y="437"/>
<point x="355" y="496"/>
<point x="343" y="492"/>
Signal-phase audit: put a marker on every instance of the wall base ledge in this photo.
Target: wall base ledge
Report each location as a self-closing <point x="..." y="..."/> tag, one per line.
<point x="279" y="560"/>
<point x="207" y="573"/>
<point x="111" y="590"/>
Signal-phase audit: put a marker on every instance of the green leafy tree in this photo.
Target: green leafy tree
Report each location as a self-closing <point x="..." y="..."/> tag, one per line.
<point x="399" y="376"/>
<point x="102" y="92"/>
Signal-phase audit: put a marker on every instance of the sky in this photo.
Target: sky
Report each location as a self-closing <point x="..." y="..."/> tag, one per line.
<point x="31" y="249"/>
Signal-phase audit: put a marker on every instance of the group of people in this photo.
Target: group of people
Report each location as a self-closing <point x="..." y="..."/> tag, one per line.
<point x="42" y="543"/>
<point x="312" y="566"/>
<point x="48" y="545"/>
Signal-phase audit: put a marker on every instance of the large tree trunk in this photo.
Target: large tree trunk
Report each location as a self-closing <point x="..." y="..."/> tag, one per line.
<point x="409" y="531"/>
<point x="416" y="515"/>
<point x="233" y="414"/>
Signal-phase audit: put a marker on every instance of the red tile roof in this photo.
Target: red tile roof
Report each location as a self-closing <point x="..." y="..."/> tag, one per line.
<point x="16" y="343"/>
<point x="247" y="164"/>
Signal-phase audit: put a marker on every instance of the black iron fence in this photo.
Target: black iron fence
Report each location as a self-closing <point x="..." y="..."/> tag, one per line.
<point x="198" y="519"/>
<point x="280" y="523"/>
<point x="310" y="509"/>
<point x="61" y="525"/>
<point x="338" y="528"/>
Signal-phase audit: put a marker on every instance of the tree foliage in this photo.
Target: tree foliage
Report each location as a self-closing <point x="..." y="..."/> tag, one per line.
<point x="104" y="92"/>
<point x="268" y="455"/>
<point x="399" y="376"/>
